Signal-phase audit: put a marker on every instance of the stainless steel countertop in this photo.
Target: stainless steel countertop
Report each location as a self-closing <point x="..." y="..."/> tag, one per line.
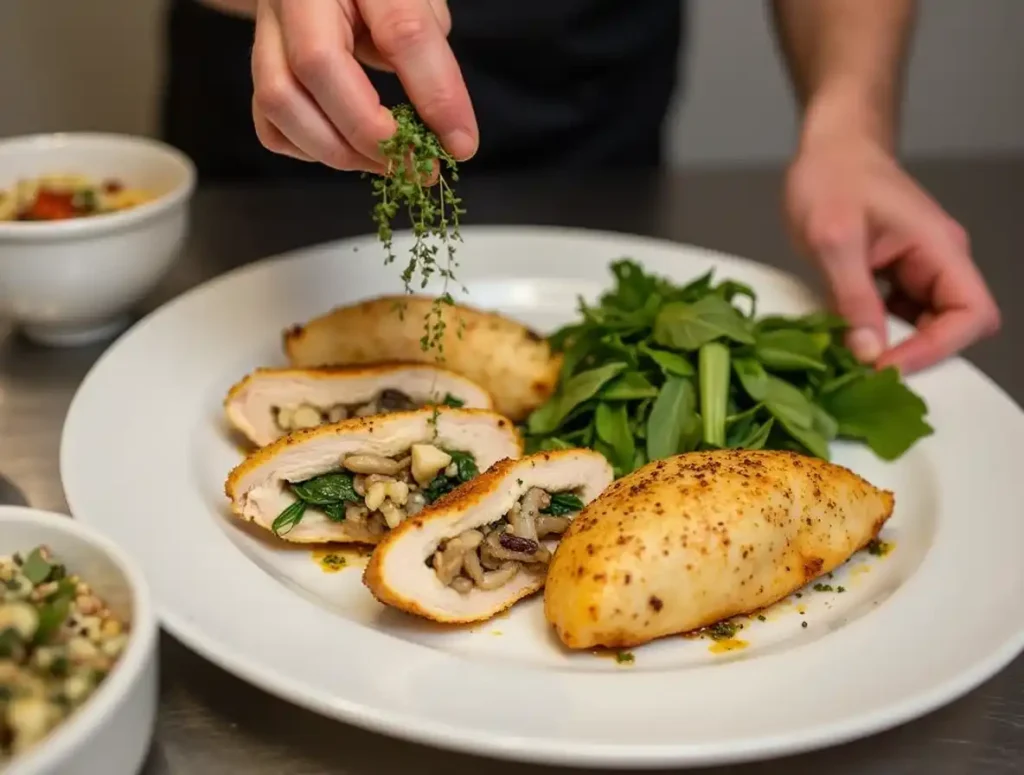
<point x="211" y="722"/>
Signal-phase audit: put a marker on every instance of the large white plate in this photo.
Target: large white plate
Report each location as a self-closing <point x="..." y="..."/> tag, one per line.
<point x="144" y="456"/>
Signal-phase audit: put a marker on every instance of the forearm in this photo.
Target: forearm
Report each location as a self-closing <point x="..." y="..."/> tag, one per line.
<point x="846" y="61"/>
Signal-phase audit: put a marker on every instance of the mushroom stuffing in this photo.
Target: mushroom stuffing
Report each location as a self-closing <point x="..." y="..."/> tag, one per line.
<point x="486" y="545"/>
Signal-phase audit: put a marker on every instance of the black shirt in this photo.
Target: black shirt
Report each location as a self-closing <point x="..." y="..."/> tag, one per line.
<point x="555" y="84"/>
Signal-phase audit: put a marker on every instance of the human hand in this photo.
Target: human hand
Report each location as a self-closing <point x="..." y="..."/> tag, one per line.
<point x="855" y="212"/>
<point x="312" y="99"/>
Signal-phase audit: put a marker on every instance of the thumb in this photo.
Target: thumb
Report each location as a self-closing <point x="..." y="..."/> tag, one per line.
<point x="840" y="248"/>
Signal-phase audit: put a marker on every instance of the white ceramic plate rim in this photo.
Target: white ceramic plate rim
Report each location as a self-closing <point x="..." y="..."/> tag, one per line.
<point x="495" y="743"/>
<point x="60" y="745"/>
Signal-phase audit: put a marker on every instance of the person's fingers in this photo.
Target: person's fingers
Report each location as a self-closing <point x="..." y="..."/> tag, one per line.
<point x="837" y="240"/>
<point x="409" y="35"/>
<point x="936" y="338"/>
<point x="959" y="309"/>
<point x="272" y="138"/>
<point x="282" y="102"/>
<point x="318" y="45"/>
<point x="367" y="53"/>
<point x="442" y="14"/>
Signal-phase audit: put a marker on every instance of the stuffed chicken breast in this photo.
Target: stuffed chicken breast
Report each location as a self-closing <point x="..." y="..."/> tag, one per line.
<point x="270" y="403"/>
<point x="487" y="544"/>
<point x="353" y="481"/>
<point x="511" y="362"/>
<point x="685" y="542"/>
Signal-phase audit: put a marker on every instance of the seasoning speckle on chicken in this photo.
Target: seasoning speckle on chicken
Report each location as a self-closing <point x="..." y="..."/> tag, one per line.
<point x="685" y="542"/>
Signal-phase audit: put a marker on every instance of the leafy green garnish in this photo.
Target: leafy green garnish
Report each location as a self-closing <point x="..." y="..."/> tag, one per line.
<point x="327" y="489"/>
<point x="328" y="493"/>
<point x="579" y="388"/>
<point x="713" y="358"/>
<point x="464" y="464"/>
<point x="54" y="611"/>
<point x="673" y="424"/>
<point x="37" y="568"/>
<point x="563" y="503"/>
<point x="414" y="155"/>
<point x="879" y="409"/>
<point x="452" y="401"/>
<point x="655" y="369"/>
<point x="682" y="326"/>
<point x="466" y="469"/>
<point x="612" y="424"/>
<point x="289" y="518"/>
<point x="11" y="643"/>
<point x="440" y="485"/>
<point x="723" y="630"/>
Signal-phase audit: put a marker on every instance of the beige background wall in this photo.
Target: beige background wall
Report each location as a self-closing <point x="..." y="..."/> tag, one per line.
<point x="75" y="64"/>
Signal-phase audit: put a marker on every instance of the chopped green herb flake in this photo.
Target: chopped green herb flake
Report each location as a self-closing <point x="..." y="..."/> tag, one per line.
<point x="452" y="401"/>
<point x="563" y="503"/>
<point x="36" y="568"/>
<point x="878" y="547"/>
<point x="625" y="657"/>
<point x="723" y="630"/>
<point x="334" y="561"/>
<point x="465" y="464"/>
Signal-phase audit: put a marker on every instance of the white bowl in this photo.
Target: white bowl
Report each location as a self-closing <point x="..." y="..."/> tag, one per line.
<point x="110" y="732"/>
<point x="74" y="281"/>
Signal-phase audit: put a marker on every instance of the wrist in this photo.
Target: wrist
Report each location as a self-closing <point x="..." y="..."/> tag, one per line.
<point x="842" y="112"/>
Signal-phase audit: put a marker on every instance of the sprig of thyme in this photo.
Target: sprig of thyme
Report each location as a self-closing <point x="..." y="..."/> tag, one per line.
<point x="413" y="155"/>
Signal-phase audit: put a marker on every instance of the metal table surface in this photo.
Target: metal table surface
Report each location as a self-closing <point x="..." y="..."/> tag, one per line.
<point x="212" y="722"/>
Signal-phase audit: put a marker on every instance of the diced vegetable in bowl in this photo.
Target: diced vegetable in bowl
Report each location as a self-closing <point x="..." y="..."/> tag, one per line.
<point x="58" y="642"/>
<point x="78" y="643"/>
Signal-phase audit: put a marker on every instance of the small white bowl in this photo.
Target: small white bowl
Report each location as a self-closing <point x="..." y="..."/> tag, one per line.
<point x="74" y="281"/>
<point x="110" y="732"/>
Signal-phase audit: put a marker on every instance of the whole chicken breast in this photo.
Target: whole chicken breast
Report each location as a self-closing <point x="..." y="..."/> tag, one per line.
<point x="685" y="542"/>
<point x="270" y="402"/>
<point x="511" y="362"/>
<point x="486" y="545"/>
<point x="352" y="481"/>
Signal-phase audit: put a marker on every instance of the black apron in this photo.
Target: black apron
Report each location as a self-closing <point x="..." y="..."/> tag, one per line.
<point x="555" y="84"/>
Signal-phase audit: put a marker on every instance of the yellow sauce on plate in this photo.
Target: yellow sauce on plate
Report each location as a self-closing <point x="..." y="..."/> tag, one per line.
<point x="332" y="559"/>
<point x="725" y="646"/>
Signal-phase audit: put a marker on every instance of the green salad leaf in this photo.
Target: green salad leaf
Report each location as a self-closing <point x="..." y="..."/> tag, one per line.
<point x="654" y="369"/>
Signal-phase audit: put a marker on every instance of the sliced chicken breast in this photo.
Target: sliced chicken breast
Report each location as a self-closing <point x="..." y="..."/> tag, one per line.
<point x="270" y="403"/>
<point x="352" y="481"/>
<point x="511" y="362"/>
<point x="487" y="544"/>
<point x="685" y="542"/>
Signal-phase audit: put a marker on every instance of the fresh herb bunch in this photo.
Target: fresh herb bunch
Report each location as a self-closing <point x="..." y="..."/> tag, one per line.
<point x="657" y="369"/>
<point x="414" y="155"/>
